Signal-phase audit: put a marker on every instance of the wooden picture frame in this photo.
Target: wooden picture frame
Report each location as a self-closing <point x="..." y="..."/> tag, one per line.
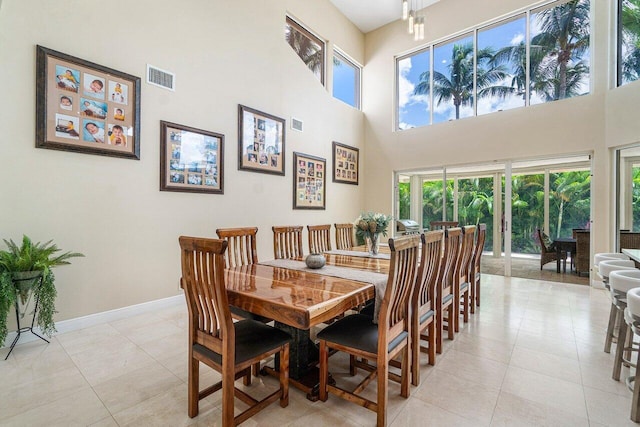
<point x="309" y="181"/>
<point x="86" y="107"/>
<point x="346" y="161"/>
<point x="191" y="160"/>
<point x="261" y="141"/>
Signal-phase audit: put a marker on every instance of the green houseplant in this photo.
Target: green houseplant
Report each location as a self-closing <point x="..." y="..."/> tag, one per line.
<point x="21" y="269"/>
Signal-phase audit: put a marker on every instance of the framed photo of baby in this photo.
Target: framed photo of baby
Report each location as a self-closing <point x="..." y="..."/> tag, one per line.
<point x="85" y="107"/>
<point x="345" y="164"/>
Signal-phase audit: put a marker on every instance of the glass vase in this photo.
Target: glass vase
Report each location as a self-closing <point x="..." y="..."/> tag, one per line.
<point x="373" y="243"/>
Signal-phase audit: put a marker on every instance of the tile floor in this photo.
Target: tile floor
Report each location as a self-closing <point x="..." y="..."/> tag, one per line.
<point x="528" y="267"/>
<point x="532" y="355"/>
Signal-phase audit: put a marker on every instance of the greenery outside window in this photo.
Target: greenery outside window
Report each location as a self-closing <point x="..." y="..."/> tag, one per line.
<point x="308" y="47"/>
<point x="628" y="41"/>
<point x="346" y="80"/>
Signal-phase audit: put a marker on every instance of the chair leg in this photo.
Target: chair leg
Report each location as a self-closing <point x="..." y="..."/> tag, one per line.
<point x="194" y="385"/>
<point x="610" y="328"/>
<point x="439" y="329"/>
<point x="477" y="287"/>
<point x="451" y="321"/>
<point x="465" y="299"/>
<point x="284" y="376"/>
<point x="473" y="290"/>
<point x="228" y="391"/>
<point x="635" y="400"/>
<point x="617" y="364"/>
<point x="405" y="372"/>
<point x="383" y="380"/>
<point x="324" y="370"/>
<point x="415" y="355"/>
<point x="432" y="343"/>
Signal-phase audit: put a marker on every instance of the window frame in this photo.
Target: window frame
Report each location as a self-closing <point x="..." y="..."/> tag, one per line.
<point x="344" y="58"/>
<point x="295" y="24"/>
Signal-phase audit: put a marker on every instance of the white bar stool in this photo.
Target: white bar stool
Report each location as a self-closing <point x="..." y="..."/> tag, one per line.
<point x="621" y="282"/>
<point x="632" y="317"/>
<point x="607" y="256"/>
<point x="604" y="270"/>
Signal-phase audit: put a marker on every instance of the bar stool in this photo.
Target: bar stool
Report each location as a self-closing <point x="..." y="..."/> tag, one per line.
<point x="607" y="256"/>
<point x="604" y="270"/>
<point x="632" y="317"/>
<point x="621" y="282"/>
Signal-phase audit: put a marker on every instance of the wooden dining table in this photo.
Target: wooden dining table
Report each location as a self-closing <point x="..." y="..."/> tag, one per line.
<point x="298" y="299"/>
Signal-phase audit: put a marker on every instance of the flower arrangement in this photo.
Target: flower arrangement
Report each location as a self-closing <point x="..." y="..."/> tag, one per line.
<point x="369" y="223"/>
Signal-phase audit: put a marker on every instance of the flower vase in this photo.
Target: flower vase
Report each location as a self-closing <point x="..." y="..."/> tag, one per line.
<point x="373" y="243"/>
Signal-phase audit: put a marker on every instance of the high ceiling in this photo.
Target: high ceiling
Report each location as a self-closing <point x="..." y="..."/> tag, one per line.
<point x="368" y="15"/>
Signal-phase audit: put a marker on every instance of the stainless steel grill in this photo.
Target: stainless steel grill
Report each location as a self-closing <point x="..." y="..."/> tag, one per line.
<point x="407" y="226"/>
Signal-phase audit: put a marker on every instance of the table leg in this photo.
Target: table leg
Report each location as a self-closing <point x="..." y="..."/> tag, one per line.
<point x="303" y="360"/>
<point x="558" y="256"/>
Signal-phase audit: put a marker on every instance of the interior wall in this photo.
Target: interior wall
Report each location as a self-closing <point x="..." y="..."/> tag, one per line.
<point x="223" y="53"/>
<point x="578" y="125"/>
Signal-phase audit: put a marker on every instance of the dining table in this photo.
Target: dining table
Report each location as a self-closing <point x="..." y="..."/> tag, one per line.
<point x="564" y="245"/>
<point x="298" y="298"/>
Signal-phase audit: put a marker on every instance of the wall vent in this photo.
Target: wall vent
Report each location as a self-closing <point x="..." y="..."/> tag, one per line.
<point x="162" y="78"/>
<point x="296" y="124"/>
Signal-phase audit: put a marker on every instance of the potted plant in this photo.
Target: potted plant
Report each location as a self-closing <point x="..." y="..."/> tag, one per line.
<point x="21" y="269"/>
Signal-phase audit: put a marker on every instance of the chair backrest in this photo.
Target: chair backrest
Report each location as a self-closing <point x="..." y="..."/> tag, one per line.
<point x="204" y="289"/>
<point x="344" y="236"/>
<point x="394" y="309"/>
<point x="242" y="245"/>
<point x="319" y="238"/>
<point x="287" y="242"/>
<point x="541" y="241"/>
<point x="464" y="263"/>
<point x="452" y="246"/>
<point x="481" y="236"/>
<point x="442" y="225"/>
<point x="430" y="260"/>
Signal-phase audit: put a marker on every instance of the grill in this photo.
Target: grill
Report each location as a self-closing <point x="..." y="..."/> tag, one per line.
<point x="407" y="226"/>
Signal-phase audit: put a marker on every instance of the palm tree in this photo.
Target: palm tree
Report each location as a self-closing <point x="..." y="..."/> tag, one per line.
<point x="458" y="86"/>
<point x="564" y="37"/>
<point x="308" y="50"/>
<point x="630" y="34"/>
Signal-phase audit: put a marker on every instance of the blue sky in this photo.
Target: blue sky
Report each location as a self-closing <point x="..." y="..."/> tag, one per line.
<point x="344" y="81"/>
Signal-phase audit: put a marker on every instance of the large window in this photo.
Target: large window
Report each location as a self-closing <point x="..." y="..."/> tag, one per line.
<point x="308" y="47"/>
<point x="346" y="80"/>
<point x="628" y="41"/>
<point x="498" y="66"/>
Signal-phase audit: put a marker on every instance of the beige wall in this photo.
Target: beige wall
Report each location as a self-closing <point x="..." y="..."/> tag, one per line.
<point x="579" y="125"/>
<point x="224" y="53"/>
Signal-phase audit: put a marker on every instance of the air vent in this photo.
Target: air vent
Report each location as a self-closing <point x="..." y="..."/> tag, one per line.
<point x="296" y="124"/>
<point x="162" y="78"/>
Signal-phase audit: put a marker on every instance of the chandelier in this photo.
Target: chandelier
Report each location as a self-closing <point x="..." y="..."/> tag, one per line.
<point x="410" y="13"/>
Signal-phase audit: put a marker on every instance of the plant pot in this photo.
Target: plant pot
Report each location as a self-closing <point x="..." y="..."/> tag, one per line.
<point x="24" y="282"/>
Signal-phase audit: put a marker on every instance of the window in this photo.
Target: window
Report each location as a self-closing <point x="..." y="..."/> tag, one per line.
<point x="628" y="41"/>
<point x="559" y="51"/>
<point x="308" y="47"/>
<point x="504" y="68"/>
<point x="404" y="197"/>
<point x="346" y="80"/>
<point x="413" y="85"/>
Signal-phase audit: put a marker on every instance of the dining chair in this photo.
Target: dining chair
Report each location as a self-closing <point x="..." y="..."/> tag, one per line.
<point x="319" y="238"/>
<point x="481" y="235"/>
<point x="344" y="236"/>
<point x="442" y="225"/>
<point x="287" y="242"/>
<point x="357" y="334"/>
<point x="632" y="317"/>
<point x="229" y="347"/>
<point x="621" y="282"/>
<point x="423" y="302"/>
<point x="462" y="277"/>
<point x="242" y="245"/>
<point x="444" y="288"/>
<point x="605" y="268"/>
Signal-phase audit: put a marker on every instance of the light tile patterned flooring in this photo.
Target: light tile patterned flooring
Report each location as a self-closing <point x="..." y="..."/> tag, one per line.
<point x="531" y="355"/>
<point x="529" y="268"/>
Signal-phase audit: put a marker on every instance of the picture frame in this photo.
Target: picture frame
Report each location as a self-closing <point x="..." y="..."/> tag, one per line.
<point x="309" y="181"/>
<point x="261" y="141"/>
<point x="191" y="160"/>
<point x="85" y="107"/>
<point x="346" y="162"/>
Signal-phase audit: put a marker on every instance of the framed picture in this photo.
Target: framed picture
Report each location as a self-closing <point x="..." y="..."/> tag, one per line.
<point x="86" y="107"/>
<point x="345" y="164"/>
<point x="191" y="160"/>
<point x="260" y="141"/>
<point x="309" y="182"/>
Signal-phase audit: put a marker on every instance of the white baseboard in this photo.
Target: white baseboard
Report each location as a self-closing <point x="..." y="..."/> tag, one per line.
<point x="98" y="318"/>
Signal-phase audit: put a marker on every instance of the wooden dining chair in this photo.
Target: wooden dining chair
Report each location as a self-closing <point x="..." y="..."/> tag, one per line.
<point x="444" y="288"/>
<point x="344" y="236"/>
<point x="242" y="245"/>
<point x="423" y="322"/>
<point x="215" y="340"/>
<point x="319" y="238"/>
<point x="442" y="225"/>
<point x="287" y="242"/>
<point x="462" y="279"/>
<point x="481" y="235"/>
<point x="360" y="337"/>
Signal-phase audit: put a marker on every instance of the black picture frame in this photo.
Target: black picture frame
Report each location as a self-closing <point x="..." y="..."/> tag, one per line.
<point x="85" y="107"/>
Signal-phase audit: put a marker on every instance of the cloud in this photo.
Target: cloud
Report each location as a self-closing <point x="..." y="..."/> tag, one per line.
<point x="517" y="39"/>
<point x="405" y="87"/>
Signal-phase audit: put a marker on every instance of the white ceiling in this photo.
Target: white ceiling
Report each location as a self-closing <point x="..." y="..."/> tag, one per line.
<point x="368" y="15"/>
